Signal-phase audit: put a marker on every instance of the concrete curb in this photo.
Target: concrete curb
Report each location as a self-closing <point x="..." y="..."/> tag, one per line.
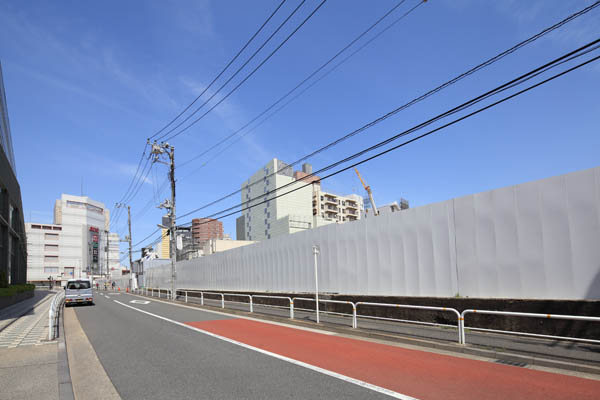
<point x="449" y="347"/>
<point x="65" y="386"/>
<point x="88" y="377"/>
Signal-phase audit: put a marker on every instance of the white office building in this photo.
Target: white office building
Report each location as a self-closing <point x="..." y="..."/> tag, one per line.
<point x="78" y="244"/>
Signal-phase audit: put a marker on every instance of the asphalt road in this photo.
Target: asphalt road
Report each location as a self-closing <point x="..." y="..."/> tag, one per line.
<point x="156" y="350"/>
<point x="149" y="358"/>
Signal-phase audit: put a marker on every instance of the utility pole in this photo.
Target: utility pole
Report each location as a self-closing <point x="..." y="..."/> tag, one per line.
<point x="130" y="255"/>
<point x="157" y="151"/>
<point x="106" y="255"/>
<point x="128" y="240"/>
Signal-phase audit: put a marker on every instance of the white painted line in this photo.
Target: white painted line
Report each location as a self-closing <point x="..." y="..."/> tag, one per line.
<point x="358" y="382"/>
<point x="139" y="301"/>
<point x="302" y="328"/>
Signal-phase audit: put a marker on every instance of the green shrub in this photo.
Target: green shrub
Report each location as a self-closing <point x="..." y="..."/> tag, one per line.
<point x="3" y="279"/>
<point x="14" y="289"/>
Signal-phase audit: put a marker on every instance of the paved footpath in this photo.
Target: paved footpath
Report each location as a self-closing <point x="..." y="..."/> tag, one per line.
<point x="26" y="323"/>
<point x="28" y="361"/>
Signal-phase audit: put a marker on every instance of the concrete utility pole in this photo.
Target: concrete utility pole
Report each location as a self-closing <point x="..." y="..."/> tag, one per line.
<point x="157" y="151"/>
<point x="130" y="253"/>
<point x="106" y="252"/>
<point x="128" y="240"/>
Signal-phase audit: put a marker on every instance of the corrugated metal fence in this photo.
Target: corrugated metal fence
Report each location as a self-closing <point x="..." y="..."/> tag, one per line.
<point x="535" y="240"/>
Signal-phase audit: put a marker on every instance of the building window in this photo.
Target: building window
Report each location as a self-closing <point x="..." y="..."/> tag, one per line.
<point x="265" y="221"/>
<point x="266" y="233"/>
<point x="269" y="236"/>
<point x="36" y="227"/>
<point x="51" y="270"/>
<point x="268" y="226"/>
<point x="265" y="210"/>
<point x="51" y="236"/>
<point x="269" y="214"/>
<point x="57" y="228"/>
<point x="51" y="247"/>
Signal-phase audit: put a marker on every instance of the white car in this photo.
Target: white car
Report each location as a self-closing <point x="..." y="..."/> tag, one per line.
<point x="78" y="291"/>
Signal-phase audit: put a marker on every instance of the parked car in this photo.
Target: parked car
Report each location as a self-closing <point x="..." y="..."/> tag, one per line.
<point x="79" y="291"/>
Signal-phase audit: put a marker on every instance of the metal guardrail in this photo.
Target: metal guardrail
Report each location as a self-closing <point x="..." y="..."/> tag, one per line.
<point x="460" y="316"/>
<point x="276" y="297"/>
<point x="410" y="306"/>
<point x="332" y="301"/>
<point x="531" y="315"/>
<point x="53" y="314"/>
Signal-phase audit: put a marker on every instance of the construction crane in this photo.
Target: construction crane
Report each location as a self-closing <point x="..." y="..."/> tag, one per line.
<point x="368" y="189"/>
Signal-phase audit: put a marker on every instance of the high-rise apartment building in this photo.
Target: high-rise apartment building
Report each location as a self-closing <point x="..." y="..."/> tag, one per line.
<point x="332" y="207"/>
<point x="77" y="244"/>
<point x="300" y="207"/>
<point x="204" y="229"/>
<point x="13" y="243"/>
<point x="281" y="216"/>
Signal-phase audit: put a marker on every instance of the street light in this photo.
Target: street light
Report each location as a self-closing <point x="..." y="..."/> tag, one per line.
<point x="316" y="251"/>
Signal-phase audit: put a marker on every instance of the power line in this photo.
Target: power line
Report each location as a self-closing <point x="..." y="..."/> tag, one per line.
<point x="249" y="75"/>
<point x="315" y="72"/>
<point x="511" y="83"/>
<point x="420" y="98"/>
<point x="118" y="213"/>
<point x="461" y="107"/>
<point x="237" y="71"/>
<point x="223" y="70"/>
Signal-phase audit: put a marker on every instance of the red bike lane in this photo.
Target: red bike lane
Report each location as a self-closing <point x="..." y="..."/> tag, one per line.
<point x="415" y="373"/>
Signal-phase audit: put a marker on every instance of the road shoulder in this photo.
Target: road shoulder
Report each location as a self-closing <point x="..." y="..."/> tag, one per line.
<point x="89" y="378"/>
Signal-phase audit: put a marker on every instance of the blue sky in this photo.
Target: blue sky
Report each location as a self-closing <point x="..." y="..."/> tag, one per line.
<point x="87" y="83"/>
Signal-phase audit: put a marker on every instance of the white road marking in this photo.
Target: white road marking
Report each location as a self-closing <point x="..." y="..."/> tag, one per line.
<point x="139" y="302"/>
<point x="358" y="382"/>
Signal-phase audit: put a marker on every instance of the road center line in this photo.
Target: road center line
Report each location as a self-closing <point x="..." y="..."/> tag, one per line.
<point x="358" y="382"/>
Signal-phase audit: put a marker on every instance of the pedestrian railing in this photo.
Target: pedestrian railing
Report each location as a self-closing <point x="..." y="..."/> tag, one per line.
<point x="293" y="307"/>
<point x="530" y="315"/>
<point x="414" y="307"/>
<point x="353" y="315"/>
<point x="53" y="315"/>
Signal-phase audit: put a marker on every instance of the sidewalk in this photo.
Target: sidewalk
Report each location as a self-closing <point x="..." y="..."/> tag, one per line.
<point x="10" y="314"/>
<point x="29" y="364"/>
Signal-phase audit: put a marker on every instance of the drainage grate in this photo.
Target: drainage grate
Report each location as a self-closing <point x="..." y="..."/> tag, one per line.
<point x="513" y="363"/>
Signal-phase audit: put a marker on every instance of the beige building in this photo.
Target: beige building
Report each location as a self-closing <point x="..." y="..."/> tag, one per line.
<point x="332" y="207"/>
<point x="164" y="250"/>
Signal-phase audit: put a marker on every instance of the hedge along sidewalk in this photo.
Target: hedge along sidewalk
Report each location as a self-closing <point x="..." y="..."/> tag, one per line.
<point x="14" y="289"/>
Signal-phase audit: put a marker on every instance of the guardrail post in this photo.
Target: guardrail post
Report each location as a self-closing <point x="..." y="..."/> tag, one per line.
<point x="202" y="298"/>
<point x="354" y="323"/>
<point x="291" y="309"/>
<point x="222" y="300"/>
<point x="462" y="328"/>
<point x="251" y="307"/>
<point x="186" y="296"/>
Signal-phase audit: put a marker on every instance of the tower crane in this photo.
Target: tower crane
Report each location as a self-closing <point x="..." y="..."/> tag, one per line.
<point x="368" y="189"/>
